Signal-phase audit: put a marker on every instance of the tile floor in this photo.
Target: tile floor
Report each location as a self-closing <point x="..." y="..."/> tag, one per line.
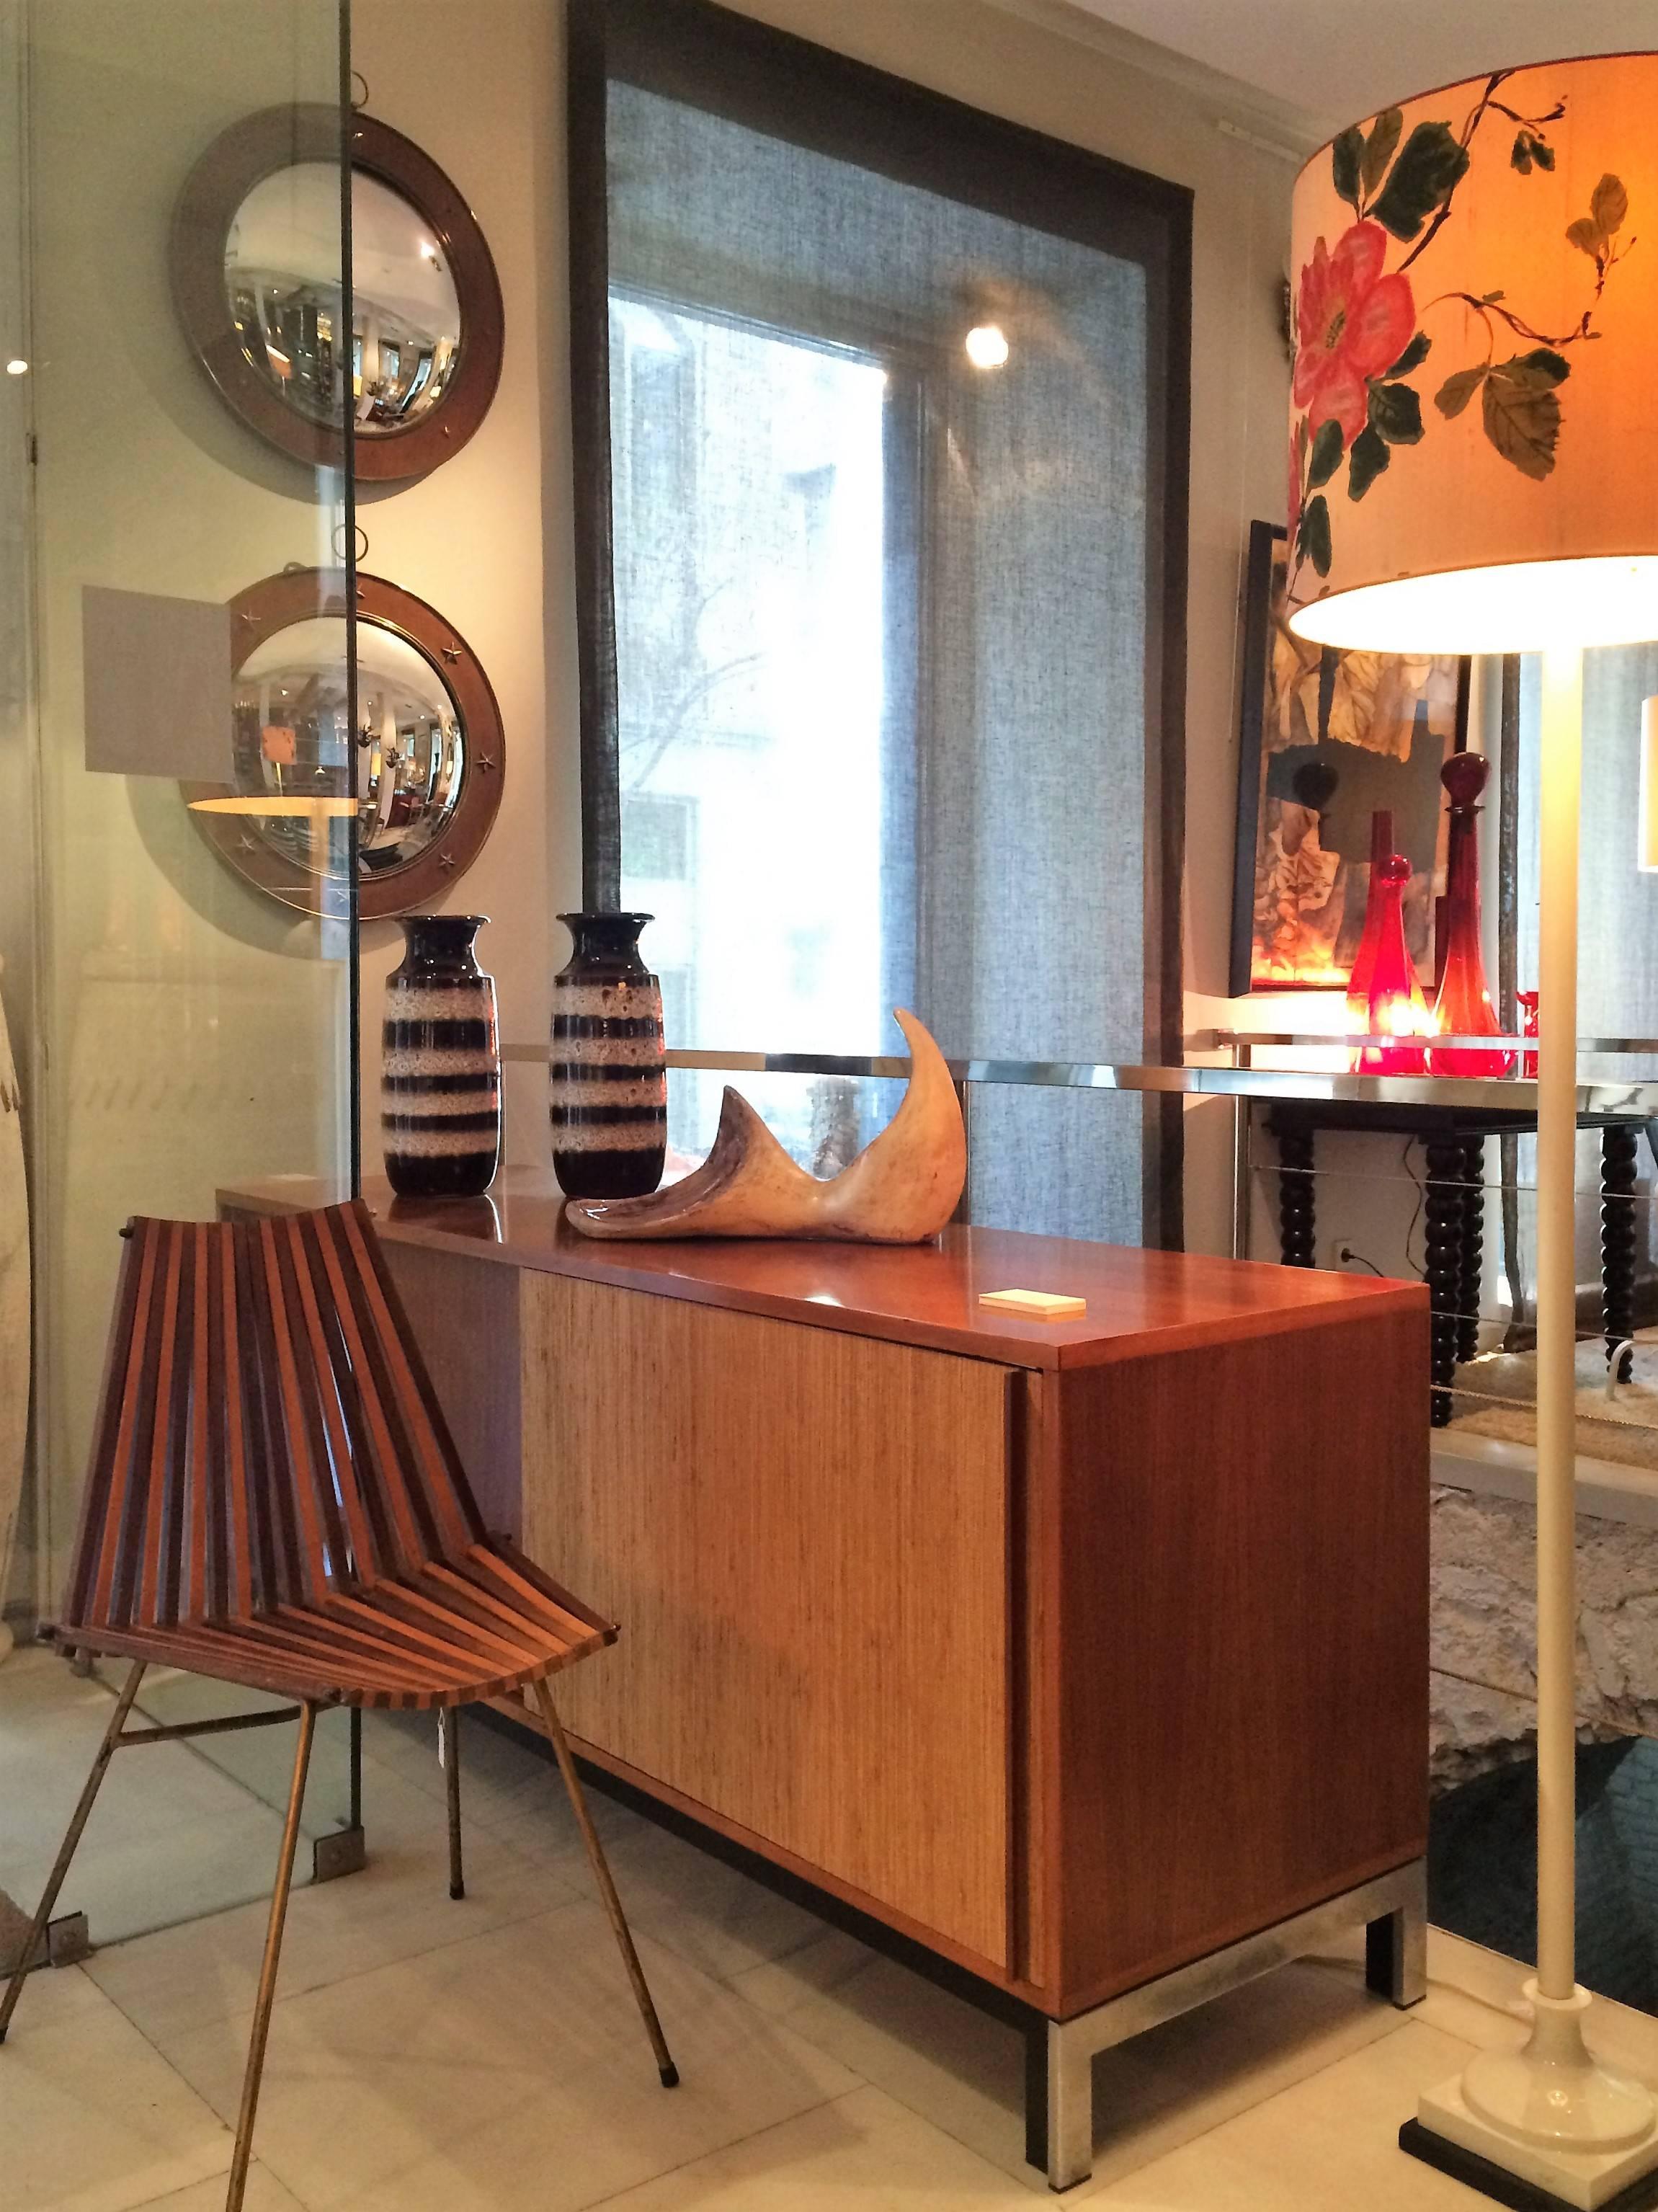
<point x="484" y="2055"/>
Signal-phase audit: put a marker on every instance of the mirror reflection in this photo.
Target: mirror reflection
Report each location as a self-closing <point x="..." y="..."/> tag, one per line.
<point x="281" y="281"/>
<point x="292" y="739"/>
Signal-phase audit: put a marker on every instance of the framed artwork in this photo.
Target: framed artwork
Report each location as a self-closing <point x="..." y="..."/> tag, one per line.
<point x="1327" y="739"/>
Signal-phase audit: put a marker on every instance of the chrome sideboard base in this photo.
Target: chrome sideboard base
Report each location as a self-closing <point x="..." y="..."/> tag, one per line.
<point x="1059" y="2090"/>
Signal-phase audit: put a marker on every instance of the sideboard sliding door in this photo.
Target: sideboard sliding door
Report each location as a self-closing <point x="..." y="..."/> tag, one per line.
<point x="804" y="1535"/>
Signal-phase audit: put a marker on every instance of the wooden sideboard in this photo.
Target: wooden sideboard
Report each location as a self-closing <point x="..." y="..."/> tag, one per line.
<point x="1077" y="1652"/>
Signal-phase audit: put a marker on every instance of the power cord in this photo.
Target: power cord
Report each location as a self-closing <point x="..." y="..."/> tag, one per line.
<point x="1347" y="1256"/>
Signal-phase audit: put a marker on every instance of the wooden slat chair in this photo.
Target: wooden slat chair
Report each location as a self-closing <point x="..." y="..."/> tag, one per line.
<point x="274" y="1500"/>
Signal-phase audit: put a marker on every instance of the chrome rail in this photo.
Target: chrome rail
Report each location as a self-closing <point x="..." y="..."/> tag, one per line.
<point x="1599" y="1100"/>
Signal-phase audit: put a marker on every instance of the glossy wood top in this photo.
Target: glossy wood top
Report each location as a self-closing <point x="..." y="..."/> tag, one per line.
<point x="1138" y="1301"/>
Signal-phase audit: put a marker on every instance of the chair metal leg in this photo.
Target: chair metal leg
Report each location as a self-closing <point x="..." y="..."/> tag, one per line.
<point x="449" y="1744"/>
<point x="273" y="1944"/>
<point x="78" y="1820"/>
<point x="612" y="1903"/>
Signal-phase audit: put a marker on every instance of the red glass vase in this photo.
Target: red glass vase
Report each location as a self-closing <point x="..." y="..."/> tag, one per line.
<point x="1464" y="1006"/>
<point x="1358" y="977"/>
<point x="1528" y="1020"/>
<point x="1396" y="1007"/>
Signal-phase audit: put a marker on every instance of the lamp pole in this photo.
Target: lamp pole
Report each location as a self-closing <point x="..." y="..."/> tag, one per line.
<point x="1549" y="2113"/>
<point x="1557" y="1324"/>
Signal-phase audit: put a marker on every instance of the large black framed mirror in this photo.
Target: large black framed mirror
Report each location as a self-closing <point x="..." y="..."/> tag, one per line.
<point x="421" y="769"/>
<point x="256" y="258"/>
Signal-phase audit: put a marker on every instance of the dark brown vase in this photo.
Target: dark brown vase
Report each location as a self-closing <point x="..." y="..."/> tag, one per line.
<point x="440" y="1063"/>
<point x="609" y="1091"/>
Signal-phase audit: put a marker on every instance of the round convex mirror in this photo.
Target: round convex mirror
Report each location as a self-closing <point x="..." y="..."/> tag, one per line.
<point x="281" y="285"/>
<point x="424" y="759"/>
<point x="256" y="268"/>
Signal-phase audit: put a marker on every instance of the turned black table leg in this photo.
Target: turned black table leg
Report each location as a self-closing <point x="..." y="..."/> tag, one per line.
<point x="1618" y="1238"/>
<point x="1443" y="1201"/>
<point x="1473" y="1247"/>
<point x="1295" y="1193"/>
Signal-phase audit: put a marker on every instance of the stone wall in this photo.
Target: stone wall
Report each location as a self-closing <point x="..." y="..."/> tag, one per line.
<point x="1483" y="1631"/>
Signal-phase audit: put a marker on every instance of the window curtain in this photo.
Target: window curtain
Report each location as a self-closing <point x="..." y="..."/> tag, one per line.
<point x="754" y="217"/>
<point x="1617" y="932"/>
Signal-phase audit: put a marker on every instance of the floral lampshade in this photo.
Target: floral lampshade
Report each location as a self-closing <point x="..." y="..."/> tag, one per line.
<point x="1473" y="430"/>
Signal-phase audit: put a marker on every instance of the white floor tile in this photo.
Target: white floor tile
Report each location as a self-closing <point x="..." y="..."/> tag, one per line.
<point x="265" y="2194"/>
<point x="507" y="1786"/>
<point x="510" y="2071"/>
<point x="1329" y="2144"/>
<point x="399" y="1905"/>
<point x="862" y="2153"/>
<point x="92" y="2119"/>
<point x="486" y="2056"/>
<point x="714" y="1915"/>
<point x="170" y="1837"/>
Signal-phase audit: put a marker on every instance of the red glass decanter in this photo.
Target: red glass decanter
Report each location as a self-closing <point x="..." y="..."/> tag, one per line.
<point x="1358" y="978"/>
<point x="1464" y="1006"/>
<point x="1395" y="1007"/>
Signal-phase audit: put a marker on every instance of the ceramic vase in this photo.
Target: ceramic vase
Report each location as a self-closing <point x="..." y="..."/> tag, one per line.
<point x="608" y="1093"/>
<point x="440" y="1063"/>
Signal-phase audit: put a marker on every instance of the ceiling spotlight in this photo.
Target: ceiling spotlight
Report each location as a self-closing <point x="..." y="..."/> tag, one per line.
<point x="15" y="367"/>
<point x="986" y="345"/>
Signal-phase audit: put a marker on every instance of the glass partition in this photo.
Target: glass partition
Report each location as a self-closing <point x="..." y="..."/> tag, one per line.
<point x="179" y="1032"/>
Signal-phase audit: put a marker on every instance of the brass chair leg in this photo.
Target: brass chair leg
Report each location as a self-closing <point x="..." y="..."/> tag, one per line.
<point x="273" y="1944"/>
<point x="449" y="1738"/>
<point x="66" y="1850"/>
<point x="612" y="1903"/>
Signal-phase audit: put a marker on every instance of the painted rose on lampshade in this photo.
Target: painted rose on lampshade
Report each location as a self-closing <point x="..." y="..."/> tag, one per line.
<point x="1352" y="322"/>
<point x="1457" y="311"/>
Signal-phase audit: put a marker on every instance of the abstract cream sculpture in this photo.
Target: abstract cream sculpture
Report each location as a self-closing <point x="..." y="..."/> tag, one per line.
<point x="900" y="1189"/>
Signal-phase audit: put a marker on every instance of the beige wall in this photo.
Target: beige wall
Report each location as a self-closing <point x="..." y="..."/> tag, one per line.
<point x="480" y="86"/>
<point x="487" y="537"/>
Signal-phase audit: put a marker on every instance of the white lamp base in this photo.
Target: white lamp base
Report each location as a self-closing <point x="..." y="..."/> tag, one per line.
<point x="1564" y="2127"/>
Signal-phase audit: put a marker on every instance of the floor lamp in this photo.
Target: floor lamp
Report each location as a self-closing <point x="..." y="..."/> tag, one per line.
<point x="1474" y="468"/>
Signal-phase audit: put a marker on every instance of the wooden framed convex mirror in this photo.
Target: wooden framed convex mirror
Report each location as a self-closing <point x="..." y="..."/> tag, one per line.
<point x="257" y="259"/>
<point x="420" y="769"/>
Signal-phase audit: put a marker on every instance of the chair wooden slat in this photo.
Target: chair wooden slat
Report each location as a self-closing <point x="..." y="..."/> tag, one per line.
<point x="304" y="1522"/>
<point x="375" y="1432"/>
<point x="100" y="1508"/>
<point x="191" y="1597"/>
<point x="274" y="1497"/>
<point x="263" y="1476"/>
<point x="342" y="1495"/>
<point x="459" y="1521"/>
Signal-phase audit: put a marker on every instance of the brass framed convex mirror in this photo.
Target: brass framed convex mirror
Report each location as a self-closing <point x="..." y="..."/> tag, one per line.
<point x="255" y="258"/>
<point x="422" y="770"/>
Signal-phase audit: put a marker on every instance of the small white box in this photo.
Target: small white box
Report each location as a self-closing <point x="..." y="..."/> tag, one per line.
<point x="1036" y="1305"/>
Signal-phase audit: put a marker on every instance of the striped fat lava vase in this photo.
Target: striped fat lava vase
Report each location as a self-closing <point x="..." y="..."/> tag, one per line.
<point x="609" y="1095"/>
<point x="440" y="1063"/>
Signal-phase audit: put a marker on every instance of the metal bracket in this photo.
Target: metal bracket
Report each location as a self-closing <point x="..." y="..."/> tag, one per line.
<point x="64" y="1941"/>
<point x="344" y="1850"/>
<point x="1060" y="2105"/>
